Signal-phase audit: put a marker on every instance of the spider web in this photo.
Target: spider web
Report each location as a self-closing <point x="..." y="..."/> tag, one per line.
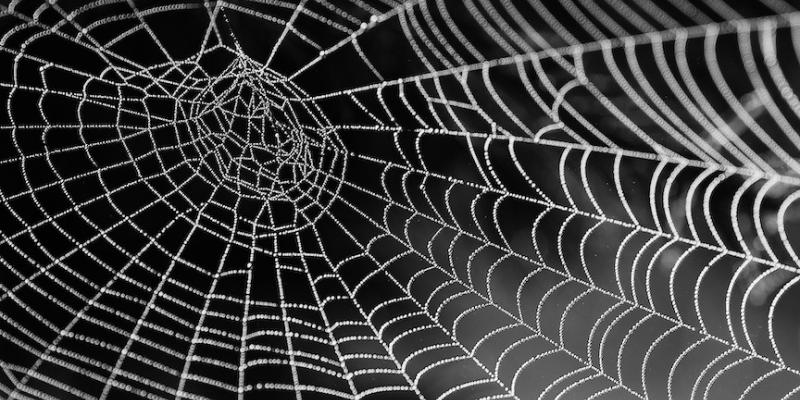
<point x="424" y="199"/>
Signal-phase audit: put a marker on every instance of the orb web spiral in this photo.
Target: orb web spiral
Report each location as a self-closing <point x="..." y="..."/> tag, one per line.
<point x="478" y="199"/>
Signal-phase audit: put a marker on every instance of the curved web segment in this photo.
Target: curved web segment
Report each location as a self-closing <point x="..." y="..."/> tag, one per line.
<point x="424" y="199"/>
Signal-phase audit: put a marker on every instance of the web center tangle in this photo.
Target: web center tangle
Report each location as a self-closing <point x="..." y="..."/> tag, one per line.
<point x="263" y="140"/>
